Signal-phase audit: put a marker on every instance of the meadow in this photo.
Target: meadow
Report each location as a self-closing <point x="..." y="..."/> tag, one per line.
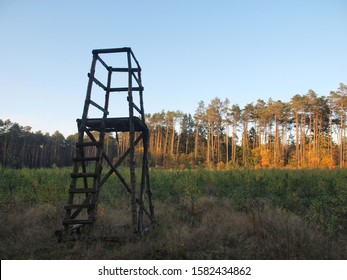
<point x="202" y="214"/>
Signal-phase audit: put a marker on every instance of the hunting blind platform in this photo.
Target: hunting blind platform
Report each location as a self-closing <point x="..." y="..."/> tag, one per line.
<point x="87" y="178"/>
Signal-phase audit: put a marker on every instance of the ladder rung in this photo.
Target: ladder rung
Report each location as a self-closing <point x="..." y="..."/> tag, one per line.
<point x="119" y="89"/>
<point x="79" y="206"/>
<point x="98" y="106"/>
<point x="74" y="222"/>
<point x="84" y="190"/>
<point x="85" y="158"/>
<point x="83" y="175"/>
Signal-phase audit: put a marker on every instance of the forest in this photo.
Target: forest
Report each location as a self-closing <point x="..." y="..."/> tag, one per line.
<point x="309" y="131"/>
<point x="229" y="183"/>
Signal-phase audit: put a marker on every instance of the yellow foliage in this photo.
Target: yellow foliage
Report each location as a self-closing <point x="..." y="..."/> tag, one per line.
<point x="220" y="165"/>
<point x="327" y="162"/>
<point x="314" y="162"/>
<point x="265" y="158"/>
<point x="256" y="158"/>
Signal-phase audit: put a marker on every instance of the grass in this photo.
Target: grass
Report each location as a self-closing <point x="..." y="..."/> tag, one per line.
<point x="260" y="214"/>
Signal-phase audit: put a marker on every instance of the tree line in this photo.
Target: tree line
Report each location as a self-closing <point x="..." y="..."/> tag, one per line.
<point x="309" y="131"/>
<point x="20" y="147"/>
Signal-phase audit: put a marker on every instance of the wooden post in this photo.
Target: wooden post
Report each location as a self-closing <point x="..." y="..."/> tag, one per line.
<point x="89" y="88"/>
<point x="132" y="146"/>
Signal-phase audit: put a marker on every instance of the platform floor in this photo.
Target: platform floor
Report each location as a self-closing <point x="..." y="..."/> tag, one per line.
<point x="115" y="124"/>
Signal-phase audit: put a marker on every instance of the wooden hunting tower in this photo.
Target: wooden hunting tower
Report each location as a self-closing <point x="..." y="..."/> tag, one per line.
<point x="87" y="178"/>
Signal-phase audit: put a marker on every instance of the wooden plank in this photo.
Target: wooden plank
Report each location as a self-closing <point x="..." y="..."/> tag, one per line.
<point x="121" y="178"/>
<point x="127" y="152"/>
<point x="111" y="50"/>
<point x="95" y="80"/>
<point x="145" y="211"/>
<point x="102" y="182"/>
<point x="125" y="89"/>
<point x="102" y="62"/>
<point x="136" y="61"/>
<point x="124" y="69"/>
<point x="89" y="88"/>
<point x="91" y="137"/>
<point x="132" y="150"/>
<point x="107" y="95"/>
<point x="136" y="79"/>
<point x="136" y="108"/>
<point x="98" y="106"/>
<point x="114" y="124"/>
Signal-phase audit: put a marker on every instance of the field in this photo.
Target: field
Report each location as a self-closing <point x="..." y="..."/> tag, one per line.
<point x="238" y="214"/>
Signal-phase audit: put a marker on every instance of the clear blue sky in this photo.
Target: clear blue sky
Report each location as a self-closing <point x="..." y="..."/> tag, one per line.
<point x="189" y="51"/>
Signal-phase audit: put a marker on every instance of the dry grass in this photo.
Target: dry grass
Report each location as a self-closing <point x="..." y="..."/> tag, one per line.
<point x="212" y="229"/>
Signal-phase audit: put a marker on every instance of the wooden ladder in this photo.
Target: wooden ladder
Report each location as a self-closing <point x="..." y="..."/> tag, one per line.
<point x="85" y="179"/>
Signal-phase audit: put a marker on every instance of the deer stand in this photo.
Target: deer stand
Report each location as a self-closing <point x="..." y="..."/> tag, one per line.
<point x="87" y="178"/>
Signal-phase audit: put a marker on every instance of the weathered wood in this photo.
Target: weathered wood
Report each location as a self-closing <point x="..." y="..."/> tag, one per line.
<point x="112" y="50"/>
<point x="95" y="80"/>
<point x="79" y="214"/>
<point x="114" y="169"/>
<point x="127" y="152"/>
<point x="99" y="107"/>
<point x="102" y="62"/>
<point x="120" y="69"/>
<point x="132" y="149"/>
<point x="136" y="108"/>
<point x="136" y="79"/>
<point x="79" y="210"/>
<point x="136" y="61"/>
<point x="115" y="124"/>
<point x="125" y="89"/>
<point x="107" y="94"/>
